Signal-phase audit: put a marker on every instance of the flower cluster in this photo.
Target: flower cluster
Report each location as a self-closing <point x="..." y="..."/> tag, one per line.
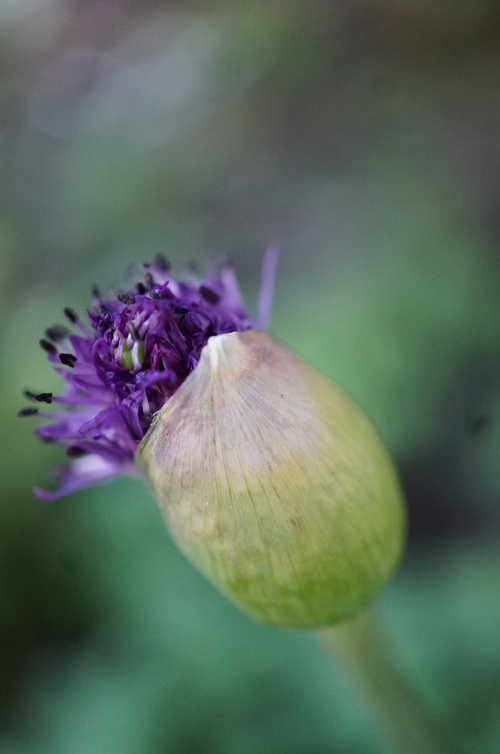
<point x="271" y="480"/>
<point x="136" y="350"/>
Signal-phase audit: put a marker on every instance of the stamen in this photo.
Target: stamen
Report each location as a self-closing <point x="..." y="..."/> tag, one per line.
<point x="56" y="333"/>
<point x="209" y="295"/>
<point x="28" y="411"/>
<point x="155" y="295"/>
<point x="40" y="397"/>
<point x="149" y="280"/>
<point x="95" y="296"/>
<point x="68" y="359"/>
<point x="126" y="298"/>
<point x="71" y="315"/>
<point x="47" y="346"/>
<point x="162" y="262"/>
<point x="140" y="288"/>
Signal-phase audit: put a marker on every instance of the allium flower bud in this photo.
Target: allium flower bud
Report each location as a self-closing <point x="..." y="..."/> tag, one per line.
<point x="270" y="479"/>
<point x="275" y="484"/>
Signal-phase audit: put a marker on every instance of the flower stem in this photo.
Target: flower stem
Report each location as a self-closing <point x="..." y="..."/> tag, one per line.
<point x="362" y="646"/>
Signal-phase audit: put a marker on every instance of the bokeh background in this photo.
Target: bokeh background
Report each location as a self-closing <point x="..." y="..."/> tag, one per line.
<point x="365" y="138"/>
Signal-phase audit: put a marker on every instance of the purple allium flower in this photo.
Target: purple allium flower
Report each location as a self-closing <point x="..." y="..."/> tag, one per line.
<point x="137" y="349"/>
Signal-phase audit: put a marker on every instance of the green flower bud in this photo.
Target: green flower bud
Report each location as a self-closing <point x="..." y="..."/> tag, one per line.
<point x="275" y="484"/>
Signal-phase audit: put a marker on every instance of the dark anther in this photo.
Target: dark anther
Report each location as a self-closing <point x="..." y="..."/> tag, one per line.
<point x="68" y="359"/>
<point x="71" y="315"/>
<point x="162" y="262"/>
<point x="140" y="288"/>
<point x="29" y="411"/>
<point x="75" y="452"/>
<point x="155" y="295"/>
<point x="40" y="397"/>
<point x="149" y="281"/>
<point x="47" y="346"/>
<point x="126" y="298"/>
<point x="56" y="333"/>
<point x="43" y="397"/>
<point x="209" y="295"/>
<point x="95" y="292"/>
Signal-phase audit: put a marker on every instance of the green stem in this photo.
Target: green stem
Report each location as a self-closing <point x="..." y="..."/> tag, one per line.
<point x="361" y="644"/>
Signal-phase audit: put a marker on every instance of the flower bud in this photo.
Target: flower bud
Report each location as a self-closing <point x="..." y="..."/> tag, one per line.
<point x="275" y="484"/>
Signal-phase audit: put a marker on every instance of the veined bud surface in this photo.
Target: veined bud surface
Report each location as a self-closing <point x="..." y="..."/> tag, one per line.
<point x="275" y="484"/>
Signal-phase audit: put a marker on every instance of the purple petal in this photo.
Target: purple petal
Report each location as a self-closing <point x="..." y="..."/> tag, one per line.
<point x="267" y="278"/>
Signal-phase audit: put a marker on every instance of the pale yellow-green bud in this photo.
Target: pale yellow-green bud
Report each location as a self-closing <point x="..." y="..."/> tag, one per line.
<point x="275" y="484"/>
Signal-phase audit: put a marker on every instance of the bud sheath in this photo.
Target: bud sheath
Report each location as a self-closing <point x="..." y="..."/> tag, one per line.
<point x="275" y="484"/>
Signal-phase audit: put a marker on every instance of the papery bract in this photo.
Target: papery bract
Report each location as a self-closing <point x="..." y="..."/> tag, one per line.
<point x="275" y="484"/>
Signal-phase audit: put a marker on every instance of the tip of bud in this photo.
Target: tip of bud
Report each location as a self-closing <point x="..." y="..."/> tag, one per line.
<point x="275" y="484"/>
<point x="219" y="350"/>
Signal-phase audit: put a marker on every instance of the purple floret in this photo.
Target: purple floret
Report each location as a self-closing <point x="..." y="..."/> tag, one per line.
<point x="139" y="347"/>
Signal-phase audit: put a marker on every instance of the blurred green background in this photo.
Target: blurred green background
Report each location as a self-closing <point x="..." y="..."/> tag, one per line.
<point x="365" y="137"/>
